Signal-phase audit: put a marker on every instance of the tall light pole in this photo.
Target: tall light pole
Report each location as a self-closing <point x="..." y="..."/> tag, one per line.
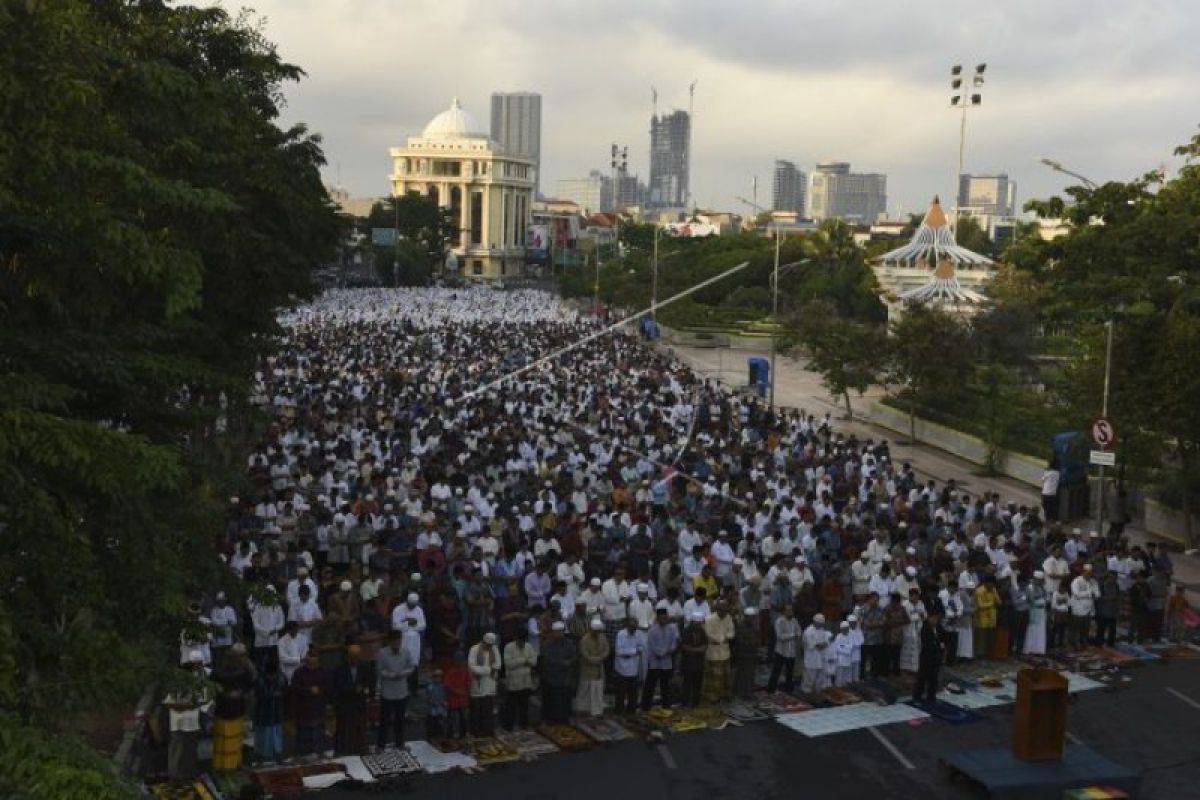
<point x="774" y="316"/>
<point x="1058" y="167"/>
<point x="654" y="279"/>
<point x="964" y="97"/>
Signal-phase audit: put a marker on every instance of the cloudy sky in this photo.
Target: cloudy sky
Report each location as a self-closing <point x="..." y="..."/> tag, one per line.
<point x="1107" y="88"/>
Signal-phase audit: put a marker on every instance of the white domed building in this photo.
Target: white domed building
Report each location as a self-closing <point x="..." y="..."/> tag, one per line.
<point x="489" y="191"/>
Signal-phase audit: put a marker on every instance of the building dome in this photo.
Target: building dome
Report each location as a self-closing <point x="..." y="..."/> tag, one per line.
<point x="453" y="123"/>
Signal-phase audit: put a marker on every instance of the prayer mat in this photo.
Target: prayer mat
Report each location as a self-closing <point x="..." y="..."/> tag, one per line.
<point x="878" y="691"/>
<point x="971" y="698"/>
<point x="1080" y="683"/>
<point x="450" y="745"/>
<point x="602" y="729"/>
<point x="839" y="696"/>
<point x="1136" y="651"/>
<point x="493" y="751"/>
<point x="640" y="725"/>
<point x="355" y="768"/>
<point x="565" y="737"/>
<point x="946" y="712"/>
<point x="745" y="711"/>
<point x="839" y="719"/>
<point x="390" y="762"/>
<point x="675" y="720"/>
<point x="434" y="761"/>
<point x="280" y="782"/>
<point x="529" y="744"/>
<point x="779" y="703"/>
<point x="1179" y="652"/>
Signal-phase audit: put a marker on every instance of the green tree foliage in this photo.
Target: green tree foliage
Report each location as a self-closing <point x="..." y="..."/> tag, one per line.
<point x="153" y="218"/>
<point x="930" y="356"/>
<point x="849" y="355"/>
<point x="971" y="235"/>
<point x="426" y="231"/>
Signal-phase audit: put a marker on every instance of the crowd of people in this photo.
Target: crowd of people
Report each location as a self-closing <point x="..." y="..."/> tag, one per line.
<point x="442" y="513"/>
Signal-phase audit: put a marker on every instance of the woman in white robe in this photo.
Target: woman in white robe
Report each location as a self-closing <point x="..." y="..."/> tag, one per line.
<point x="1035" y="634"/>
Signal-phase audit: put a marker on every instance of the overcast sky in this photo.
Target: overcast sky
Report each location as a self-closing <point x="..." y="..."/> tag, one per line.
<point x="1107" y="88"/>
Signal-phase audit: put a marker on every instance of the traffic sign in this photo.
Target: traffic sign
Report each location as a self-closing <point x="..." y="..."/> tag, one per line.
<point x="1104" y="435"/>
<point x="1105" y="458"/>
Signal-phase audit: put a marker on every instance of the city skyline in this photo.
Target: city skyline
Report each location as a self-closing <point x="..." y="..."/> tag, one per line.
<point x="1110" y="101"/>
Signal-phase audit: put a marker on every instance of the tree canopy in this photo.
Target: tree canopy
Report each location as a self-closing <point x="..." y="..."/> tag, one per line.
<point x="154" y="216"/>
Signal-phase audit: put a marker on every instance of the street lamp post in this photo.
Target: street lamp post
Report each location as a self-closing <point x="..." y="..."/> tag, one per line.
<point x="654" y="280"/>
<point x="774" y="317"/>
<point x="965" y="97"/>
<point x="1058" y="167"/>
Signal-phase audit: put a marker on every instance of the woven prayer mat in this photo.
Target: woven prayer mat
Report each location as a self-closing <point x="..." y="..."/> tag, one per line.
<point x="675" y="720"/>
<point x="838" y="696"/>
<point x="602" y="729"/>
<point x="774" y="703"/>
<point x="745" y="711"/>
<point x="565" y="737"/>
<point x="433" y="760"/>
<point x="528" y="743"/>
<point x="947" y="712"/>
<point x="492" y="750"/>
<point x="1179" y="652"/>
<point x="280" y="782"/>
<point x="390" y="762"/>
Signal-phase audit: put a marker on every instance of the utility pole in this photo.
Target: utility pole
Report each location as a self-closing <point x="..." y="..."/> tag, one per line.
<point x="654" y="280"/>
<point x="1104" y="413"/>
<point x="691" y="127"/>
<point x="774" y="317"/>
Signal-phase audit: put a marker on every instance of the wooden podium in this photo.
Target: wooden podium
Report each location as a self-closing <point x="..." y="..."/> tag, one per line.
<point x="1040" y="720"/>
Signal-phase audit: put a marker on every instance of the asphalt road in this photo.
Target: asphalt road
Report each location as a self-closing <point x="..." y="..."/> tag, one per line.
<point x="1152" y="725"/>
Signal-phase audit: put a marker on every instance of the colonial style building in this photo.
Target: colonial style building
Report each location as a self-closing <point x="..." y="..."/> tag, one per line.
<point x="488" y="190"/>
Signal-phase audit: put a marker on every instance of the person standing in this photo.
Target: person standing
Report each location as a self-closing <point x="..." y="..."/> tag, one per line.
<point x="843" y="652"/>
<point x="559" y="667"/>
<point x="717" y="678"/>
<point x="310" y="692"/>
<point x="1020" y="615"/>
<point x="354" y="686"/>
<point x="932" y="654"/>
<point x="393" y="665"/>
<point x="236" y="676"/>
<point x="184" y="706"/>
<point x="987" y="605"/>
<point x="223" y="619"/>
<point x="409" y="619"/>
<point x="1035" y="633"/>
<point x="626" y="667"/>
<point x="484" y="661"/>
<point x="783" y="659"/>
<point x="268" y="711"/>
<point x="1051" y="478"/>
<point x="693" y="646"/>
<point x="519" y="660"/>
<point x="816" y="642"/>
<point x="662" y="642"/>
<point x="593" y="652"/>
<point x="745" y="653"/>
<point x="1084" y="592"/>
<point x="266" y="617"/>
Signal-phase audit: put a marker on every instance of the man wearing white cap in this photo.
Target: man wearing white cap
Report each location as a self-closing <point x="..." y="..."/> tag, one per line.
<point x="662" y="642"/>
<point x="593" y="652"/>
<point x="1035" y="631"/>
<point x="843" y="651"/>
<point x="224" y="621"/>
<point x="641" y="607"/>
<point x="559" y="662"/>
<point x="301" y="579"/>
<point x="723" y="554"/>
<point x="591" y="597"/>
<point x="816" y="642"/>
<point x="1084" y="592"/>
<point x="484" y="662"/>
<point x="409" y="619"/>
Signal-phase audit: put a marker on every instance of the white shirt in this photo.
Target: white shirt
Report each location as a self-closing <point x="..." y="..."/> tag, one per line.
<point x="614" y="599"/>
<point x="292" y="650"/>
<point x="1050" y="479"/>
<point x="628" y="655"/>
<point x="816" y="640"/>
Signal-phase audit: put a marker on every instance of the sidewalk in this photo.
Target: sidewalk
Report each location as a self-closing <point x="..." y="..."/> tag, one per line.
<point x="797" y="387"/>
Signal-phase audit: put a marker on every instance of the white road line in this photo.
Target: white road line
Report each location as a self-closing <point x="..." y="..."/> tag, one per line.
<point x="891" y="748"/>
<point x="1184" y="698"/>
<point x="668" y="759"/>
<point x="1073" y="739"/>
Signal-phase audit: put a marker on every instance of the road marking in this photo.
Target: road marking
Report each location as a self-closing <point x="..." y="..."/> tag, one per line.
<point x="1073" y="739"/>
<point x="668" y="759"/>
<point x="1184" y="698"/>
<point x="891" y="748"/>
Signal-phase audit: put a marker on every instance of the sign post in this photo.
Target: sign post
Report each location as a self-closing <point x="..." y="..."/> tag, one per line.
<point x="1104" y="437"/>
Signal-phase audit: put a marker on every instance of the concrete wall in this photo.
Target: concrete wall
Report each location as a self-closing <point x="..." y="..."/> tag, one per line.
<point x="1018" y="466"/>
<point x="1167" y="522"/>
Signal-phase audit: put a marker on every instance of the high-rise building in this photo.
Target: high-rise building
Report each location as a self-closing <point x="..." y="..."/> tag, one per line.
<point x="789" y="189"/>
<point x="670" y="135"/>
<point x="991" y="195"/>
<point x="591" y="194"/>
<point x="836" y="192"/>
<point x="517" y="126"/>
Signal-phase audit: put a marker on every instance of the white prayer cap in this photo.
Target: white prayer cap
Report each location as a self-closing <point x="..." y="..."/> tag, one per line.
<point x="195" y="657"/>
<point x="1076" y="532"/>
<point x="818" y="618"/>
<point x="852" y="618"/>
<point x="302" y="571"/>
<point x="597" y="624"/>
<point x="912" y="551"/>
<point x="1094" y="534"/>
<point x="662" y="605"/>
<point x="220" y="596"/>
<point x="489" y="638"/>
<point x="902" y="525"/>
<point x="1039" y="574"/>
<point x="461" y="534"/>
<point x="910" y="571"/>
<point x="345" y="586"/>
<point x="886" y="557"/>
<point x="750" y="611"/>
<point x="435" y="540"/>
<point x="697" y="616"/>
<point x="845" y="625"/>
<point x="590" y="609"/>
<point x="458" y="493"/>
<point x="722" y="533"/>
<point x="415" y="577"/>
<point x="642" y="588"/>
<point x="737" y="562"/>
<point x="594" y="582"/>
<point x="413" y="597"/>
<point x="559" y="625"/>
<point x="864" y="555"/>
<point x="271" y="589"/>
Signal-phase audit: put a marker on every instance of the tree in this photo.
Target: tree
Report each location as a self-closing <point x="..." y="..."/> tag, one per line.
<point x="847" y="354"/>
<point x="635" y="237"/>
<point x="154" y="218"/>
<point x="930" y="354"/>
<point x="426" y="232"/>
<point x="971" y="235"/>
